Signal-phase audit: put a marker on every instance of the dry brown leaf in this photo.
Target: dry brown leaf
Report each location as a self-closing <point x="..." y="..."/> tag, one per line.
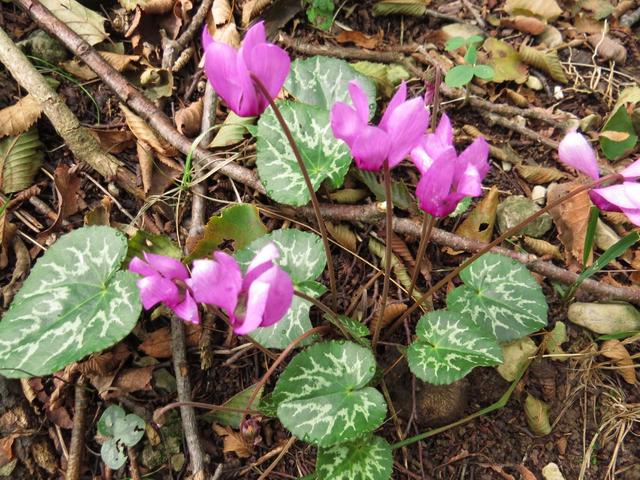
<point x="68" y="184"/>
<point x="6" y="450"/>
<point x="21" y="266"/>
<point x="617" y="352"/>
<point x="157" y="344"/>
<point x="188" y="119"/>
<point x="158" y="7"/>
<point x="118" y="61"/>
<point x="131" y="380"/>
<point x="608" y="48"/>
<point x="234" y="442"/>
<point x="391" y="312"/>
<point x="228" y="34"/>
<point x="525" y="472"/>
<point x="587" y="24"/>
<point x="480" y="222"/>
<point x="543" y="248"/>
<point x="547" y="9"/>
<point x="517" y="98"/>
<point x="145" y="160"/>
<point x="527" y="24"/>
<point x="537" y="415"/>
<point x="360" y="39"/>
<point x="251" y="9"/>
<point x="19" y="117"/>
<point x="221" y="12"/>
<point x="536" y="174"/>
<point x="114" y="141"/>
<point x="615" y="136"/>
<point x="545" y="60"/>
<point x="145" y="133"/>
<point x="343" y="235"/>
<point x="571" y="219"/>
<point x="101" y="214"/>
<point x="42" y="453"/>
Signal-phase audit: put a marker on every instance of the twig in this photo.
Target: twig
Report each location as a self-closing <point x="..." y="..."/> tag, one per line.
<point x="84" y="146"/>
<point x="173" y="48"/>
<point x="183" y="386"/>
<point x="134" y="469"/>
<point x="472" y="10"/>
<point x="277" y="460"/>
<point x="630" y="19"/>
<point x="78" y="432"/>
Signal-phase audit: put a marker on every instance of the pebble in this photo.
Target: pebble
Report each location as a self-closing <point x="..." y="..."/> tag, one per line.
<point x="515" y="209"/>
<point x="552" y="472"/>
<point x="506" y="166"/>
<point x="605" y="318"/>
<point x="539" y="194"/>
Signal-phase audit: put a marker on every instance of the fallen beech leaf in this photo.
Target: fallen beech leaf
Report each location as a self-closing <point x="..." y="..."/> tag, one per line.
<point x="505" y="61"/>
<point x="21" y="265"/>
<point x="101" y="214"/>
<point x="527" y="24"/>
<point x="144" y="132"/>
<point x="480" y="222"/>
<point x="608" y="48"/>
<point x="130" y="380"/>
<point x="547" y="9"/>
<point x="251" y="9"/>
<point x="416" y="8"/>
<point x="343" y="234"/>
<point x="234" y="442"/>
<point x="157" y="344"/>
<point x="118" y="61"/>
<point x="19" y="117"/>
<point x="20" y="159"/>
<point x="536" y="174"/>
<point x="221" y="12"/>
<point x="391" y="312"/>
<point x="599" y="9"/>
<point x="617" y="352"/>
<point x="86" y="23"/>
<point x="188" y="119"/>
<point x="360" y="39"/>
<point x="547" y="61"/>
<point x="571" y="219"/>
<point x="145" y="160"/>
<point x="542" y="247"/>
<point x="68" y="185"/>
<point x="114" y="141"/>
<point x="537" y="414"/>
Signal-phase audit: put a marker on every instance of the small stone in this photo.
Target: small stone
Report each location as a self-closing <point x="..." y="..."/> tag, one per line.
<point x="552" y="472"/>
<point x="558" y="94"/>
<point x="516" y="355"/>
<point x="506" y="166"/>
<point x="534" y="83"/>
<point x="517" y="208"/>
<point x="605" y="318"/>
<point x="539" y="194"/>
<point x="605" y="236"/>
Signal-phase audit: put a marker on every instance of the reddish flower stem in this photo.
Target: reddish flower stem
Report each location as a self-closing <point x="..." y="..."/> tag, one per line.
<point x="307" y="181"/>
<point x="428" y="221"/>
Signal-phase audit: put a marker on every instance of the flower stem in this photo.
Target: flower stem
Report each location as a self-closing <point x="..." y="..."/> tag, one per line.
<point x="510" y="232"/>
<point x="387" y="253"/>
<point x="307" y="181"/>
<point x="428" y="222"/>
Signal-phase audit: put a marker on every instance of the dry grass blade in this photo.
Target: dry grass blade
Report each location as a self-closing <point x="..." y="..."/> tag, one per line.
<point x="343" y="235"/>
<point x="536" y="174"/>
<point x="19" y="118"/>
<point x="547" y="61"/>
<point x="617" y="352"/>
<point x="188" y="119"/>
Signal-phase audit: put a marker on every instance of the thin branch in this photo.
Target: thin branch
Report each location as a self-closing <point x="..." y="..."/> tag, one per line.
<point x="173" y="48"/>
<point x="78" y="433"/>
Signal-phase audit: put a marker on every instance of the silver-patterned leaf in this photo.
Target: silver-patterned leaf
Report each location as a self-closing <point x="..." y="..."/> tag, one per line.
<point x="367" y="458"/>
<point x="322" y="81"/>
<point x="323" y="397"/>
<point x="76" y="301"/>
<point x="302" y="256"/>
<point x="449" y="346"/>
<point x="499" y="294"/>
<point x="325" y="157"/>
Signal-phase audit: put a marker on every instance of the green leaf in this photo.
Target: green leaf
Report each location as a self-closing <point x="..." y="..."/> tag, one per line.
<point x="358" y="331"/>
<point x="454" y="43"/>
<point x="414" y="8"/>
<point x="129" y="430"/>
<point x="474" y="39"/>
<point x="20" y="159"/>
<point x="500" y="295"/>
<point x="367" y="458"/>
<point x="86" y="23"/>
<point x="471" y="56"/>
<point x="450" y="345"/>
<point x="402" y="197"/>
<point x="113" y="454"/>
<point x="620" y="121"/>
<point x="238" y="401"/>
<point x="108" y="419"/>
<point x="323" y="81"/>
<point x="325" y="157"/>
<point x="590" y="236"/>
<point x="302" y="256"/>
<point x="148" y="242"/>
<point x="387" y="77"/>
<point x="485" y="72"/>
<point x="462" y="207"/>
<point x="323" y="397"/>
<point x="232" y="131"/>
<point x="505" y="61"/>
<point x="238" y="223"/>
<point x="74" y="302"/>
<point x="459" y="75"/>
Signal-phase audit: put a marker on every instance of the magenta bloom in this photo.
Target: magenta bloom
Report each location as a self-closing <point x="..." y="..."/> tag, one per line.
<point x="259" y="299"/>
<point x="446" y="176"/>
<point x="398" y="132"/>
<point x="229" y="70"/>
<point x="164" y="281"/>
<point x="576" y="152"/>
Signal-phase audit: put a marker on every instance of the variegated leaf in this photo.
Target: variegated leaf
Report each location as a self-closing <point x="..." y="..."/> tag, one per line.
<point x="449" y="346"/>
<point x="75" y="302"/>
<point x="325" y="157"/>
<point x="322" y="81"/>
<point x="303" y="257"/>
<point x="367" y="458"/>
<point x="323" y="397"/>
<point x="499" y="294"/>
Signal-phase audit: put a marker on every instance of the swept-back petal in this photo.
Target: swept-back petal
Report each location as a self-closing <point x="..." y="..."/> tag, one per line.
<point x="270" y="64"/>
<point x="633" y="216"/>
<point x="137" y="265"/>
<point x="217" y="282"/>
<point x="575" y="151"/>
<point x="187" y="309"/>
<point x="632" y="172"/>
<point x="370" y="148"/>
<point x="252" y="102"/>
<point x="398" y="99"/>
<point x="280" y="295"/>
<point x="406" y="127"/>
<point x="444" y="132"/>
<point x="256" y="303"/>
<point x="473" y="165"/>
<point x="434" y="188"/>
<point x="266" y="254"/>
<point x="624" y="196"/>
<point x="360" y="101"/>
<point x="206" y="38"/>
<point x="220" y="65"/>
<point x="346" y="124"/>
<point x="168" y="267"/>
<point x="155" y="289"/>
<point x="421" y="159"/>
<point x="255" y="36"/>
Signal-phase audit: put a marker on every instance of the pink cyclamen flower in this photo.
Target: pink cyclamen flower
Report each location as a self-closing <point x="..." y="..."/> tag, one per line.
<point x="575" y="151"/>
<point x="398" y="132"/>
<point x="446" y="176"/>
<point x="229" y="70"/>
<point x="259" y="299"/>
<point x="164" y="281"/>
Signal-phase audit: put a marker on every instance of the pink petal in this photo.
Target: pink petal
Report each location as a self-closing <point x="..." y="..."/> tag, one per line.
<point x="206" y="38"/>
<point x="360" y="101"/>
<point x="624" y="196"/>
<point x="270" y="64"/>
<point x="371" y="148"/>
<point x="156" y="289"/>
<point x="187" y="310"/>
<point x="398" y="99"/>
<point x="217" y="282"/>
<point x="345" y="123"/>
<point x="256" y="303"/>
<point x="632" y="172"/>
<point x="406" y="127"/>
<point x="168" y="267"/>
<point x="280" y="295"/>
<point x="444" y="132"/>
<point x="266" y="254"/>
<point x="575" y="151"/>
<point x="633" y="216"/>
<point x="255" y="36"/>
<point x="474" y="165"/>
<point x="434" y="187"/>
<point x="601" y="203"/>
<point x="421" y="159"/>
<point x="251" y="102"/>
<point x="220" y="66"/>
<point x="137" y="265"/>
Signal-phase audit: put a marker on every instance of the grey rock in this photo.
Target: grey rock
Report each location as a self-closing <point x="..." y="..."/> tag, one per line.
<point x="515" y="209"/>
<point x="605" y="318"/>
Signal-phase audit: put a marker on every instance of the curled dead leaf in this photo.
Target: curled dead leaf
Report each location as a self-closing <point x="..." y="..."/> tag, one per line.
<point x="343" y="235"/>
<point x="616" y="351"/>
<point x="68" y="184"/>
<point x="188" y="119"/>
<point x="145" y="133"/>
<point x="145" y="160"/>
<point x="234" y="442"/>
<point x="221" y="12"/>
<point x="349" y="195"/>
<point x="517" y="98"/>
<point x="19" y="117"/>
<point x="391" y="312"/>
<point x="536" y="174"/>
<point x="360" y="39"/>
<point x="608" y="48"/>
<point x="547" y="61"/>
<point x="113" y="141"/>
<point x="542" y="247"/>
<point x="252" y="9"/>
<point x="157" y="7"/>
<point x="526" y="24"/>
<point x="537" y="414"/>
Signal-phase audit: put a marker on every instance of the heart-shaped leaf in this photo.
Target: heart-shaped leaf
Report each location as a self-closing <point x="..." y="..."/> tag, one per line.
<point x="459" y="75"/>
<point x="367" y="458"/>
<point x="75" y="302"/>
<point x="302" y="256"/>
<point x="449" y="346"/>
<point x="322" y="81"/>
<point x="108" y="419"/>
<point x="20" y="159"/>
<point x="113" y="454"/>
<point x="129" y="430"/>
<point x="501" y="296"/>
<point x="323" y="396"/>
<point x="325" y="157"/>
